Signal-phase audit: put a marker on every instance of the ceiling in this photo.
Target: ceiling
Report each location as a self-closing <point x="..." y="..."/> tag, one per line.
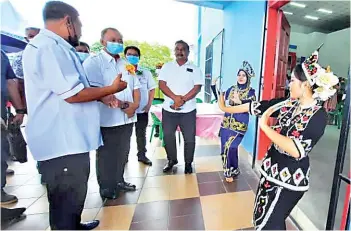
<point x="338" y="20"/>
<point x="210" y="4"/>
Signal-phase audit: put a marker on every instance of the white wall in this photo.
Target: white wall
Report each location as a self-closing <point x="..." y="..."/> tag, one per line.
<point x="211" y="25"/>
<point x="335" y="52"/>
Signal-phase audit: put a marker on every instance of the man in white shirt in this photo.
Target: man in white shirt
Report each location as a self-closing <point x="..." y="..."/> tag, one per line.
<point x="147" y="92"/>
<point x="63" y="114"/>
<point x="116" y="120"/>
<point x="180" y="81"/>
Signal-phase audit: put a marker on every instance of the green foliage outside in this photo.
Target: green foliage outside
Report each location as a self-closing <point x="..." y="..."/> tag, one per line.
<point x="151" y="54"/>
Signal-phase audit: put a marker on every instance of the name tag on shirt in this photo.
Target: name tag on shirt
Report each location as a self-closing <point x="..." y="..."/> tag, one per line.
<point x="189" y="70"/>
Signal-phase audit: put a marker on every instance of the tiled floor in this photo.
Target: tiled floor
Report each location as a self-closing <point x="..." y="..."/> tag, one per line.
<point x="162" y="201"/>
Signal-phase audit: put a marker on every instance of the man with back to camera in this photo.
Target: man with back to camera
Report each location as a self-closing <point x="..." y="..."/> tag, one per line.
<point x="116" y="121"/>
<point x="180" y="81"/>
<point x="63" y="115"/>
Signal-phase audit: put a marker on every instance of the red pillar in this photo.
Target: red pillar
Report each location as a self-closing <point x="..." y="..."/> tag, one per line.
<point x="269" y="65"/>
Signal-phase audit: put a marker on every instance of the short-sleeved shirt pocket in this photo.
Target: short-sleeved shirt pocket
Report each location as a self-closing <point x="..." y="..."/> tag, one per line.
<point x="143" y="81"/>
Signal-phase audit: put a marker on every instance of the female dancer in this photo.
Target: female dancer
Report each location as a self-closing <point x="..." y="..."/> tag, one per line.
<point x="234" y="126"/>
<point x="301" y="122"/>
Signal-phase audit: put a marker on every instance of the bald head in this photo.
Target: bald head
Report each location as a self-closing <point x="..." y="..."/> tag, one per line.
<point x="111" y="35"/>
<point x="110" y="31"/>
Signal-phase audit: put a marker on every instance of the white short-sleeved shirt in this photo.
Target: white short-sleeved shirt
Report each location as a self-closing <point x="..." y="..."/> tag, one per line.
<point x="147" y="83"/>
<point x="53" y="73"/>
<point x="180" y="80"/>
<point x="102" y="69"/>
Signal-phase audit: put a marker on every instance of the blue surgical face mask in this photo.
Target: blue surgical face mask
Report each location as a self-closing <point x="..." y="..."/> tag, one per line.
<point x="134" y="60"/>
<point x="114" y="48"/>
<point x="83" y="56"/>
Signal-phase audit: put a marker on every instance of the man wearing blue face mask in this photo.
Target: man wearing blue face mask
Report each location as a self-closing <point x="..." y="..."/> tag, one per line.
<point x="117" y="113"/>
<point x="147" y="92"/>
<point x="83" y="51"/>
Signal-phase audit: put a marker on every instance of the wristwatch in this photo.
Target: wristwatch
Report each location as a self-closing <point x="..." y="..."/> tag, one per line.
<point x="125" y="105"/>
<point x="21" y="111"/>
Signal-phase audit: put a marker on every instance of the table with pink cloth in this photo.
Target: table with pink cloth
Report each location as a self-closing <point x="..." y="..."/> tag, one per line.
<point x="208" y="119"/>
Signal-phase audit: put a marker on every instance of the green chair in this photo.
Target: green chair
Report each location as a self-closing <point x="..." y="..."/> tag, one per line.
<point x="213" y="101"/>
<point x="199" y="100"/>
<point x="337" y="114"/>
<point x="157" y="101"/>
<point x="156" y="122"/>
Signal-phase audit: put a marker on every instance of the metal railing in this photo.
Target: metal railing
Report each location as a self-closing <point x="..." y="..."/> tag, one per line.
<point x="339" y="164"/>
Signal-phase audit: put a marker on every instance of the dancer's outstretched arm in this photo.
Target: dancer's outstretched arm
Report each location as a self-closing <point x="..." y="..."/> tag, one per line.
<point x="232" y="109"/>
<point x="253" y="107"/>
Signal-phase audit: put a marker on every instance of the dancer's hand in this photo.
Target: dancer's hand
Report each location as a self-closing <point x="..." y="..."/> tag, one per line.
<point x="236" y="98"/>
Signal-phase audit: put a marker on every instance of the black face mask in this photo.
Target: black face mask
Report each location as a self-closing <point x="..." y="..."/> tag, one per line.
<point x="72" y="40"/>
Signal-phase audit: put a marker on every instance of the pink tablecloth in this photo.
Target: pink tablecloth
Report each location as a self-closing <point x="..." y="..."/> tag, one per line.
<point x="208" y="119"/>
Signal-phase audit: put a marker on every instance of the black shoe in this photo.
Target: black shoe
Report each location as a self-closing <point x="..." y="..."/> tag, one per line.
<point x="7" y="198"/>
<point x="110" y="194"/>
<point x="170" y="165"/>
<point x="125" y="186"/>
<point x="9" y="172"/>
<point x="8" y="215"/>
<point x="89" y="225"/>
<point x="143" y="159"/>
<point x="188" y="169"/>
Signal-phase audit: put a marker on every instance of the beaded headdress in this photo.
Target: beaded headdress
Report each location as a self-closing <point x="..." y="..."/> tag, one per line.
<point x="323" y="78"/>
<point x="246" y="66"/>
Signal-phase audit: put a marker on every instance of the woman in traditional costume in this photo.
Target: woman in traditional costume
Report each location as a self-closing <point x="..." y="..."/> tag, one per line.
<point x="234" y="126"/>
<point x="301" y="123"/>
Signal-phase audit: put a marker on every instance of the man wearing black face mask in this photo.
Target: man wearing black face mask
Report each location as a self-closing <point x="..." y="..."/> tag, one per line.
<point x="63" y="114"/>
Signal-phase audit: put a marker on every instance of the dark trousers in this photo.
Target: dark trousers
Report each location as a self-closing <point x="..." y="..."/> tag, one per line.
<point x="112" y="156"/>
<point x="5" y="150"/>
<point x="273" y="205"/>
<point x="140" y="131"/>
<point x="66" y="180"/>
<point x="187" y="124"/>
<point x="214" y="91"/>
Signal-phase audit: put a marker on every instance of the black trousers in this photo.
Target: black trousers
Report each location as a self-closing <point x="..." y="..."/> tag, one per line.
<point x="214" y="91"/>
<point x="187" y="124"/>
<point x="140" y="131"/>
<point x="66" y="180"/>
<point x="5" y="153"/>
<point x="273" y="205"/>
<point x="112" y="156"/>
